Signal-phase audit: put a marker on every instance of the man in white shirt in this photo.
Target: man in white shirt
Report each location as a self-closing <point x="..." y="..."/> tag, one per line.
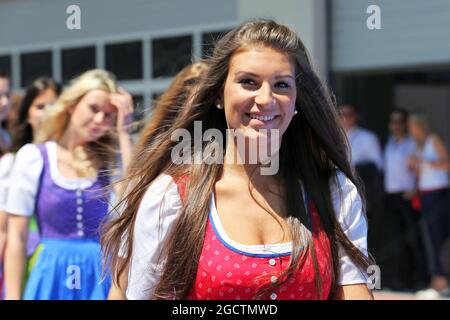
<point x="400" y="183"/>
<point x="367" y="161"/>
<point x="365" y="147"/>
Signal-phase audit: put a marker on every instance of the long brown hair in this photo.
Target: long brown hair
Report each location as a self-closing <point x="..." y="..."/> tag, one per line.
<point x="22" y="132"/>
<point x="313" y="149"/>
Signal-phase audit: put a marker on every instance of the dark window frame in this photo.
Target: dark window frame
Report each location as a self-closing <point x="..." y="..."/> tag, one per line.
<point x="65" y="54"/>
<point x="27" y="77"/>
<point x="137" y="71"/>
<point x="168" y="67"/>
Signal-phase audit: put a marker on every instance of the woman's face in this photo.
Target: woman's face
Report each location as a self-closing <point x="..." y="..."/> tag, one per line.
<point x="415" y="130"/>
<point x="260" y="91"/>
<point x="5" y="99"/>
<point x="93" y="116"/>
<point x="36" y="109"/>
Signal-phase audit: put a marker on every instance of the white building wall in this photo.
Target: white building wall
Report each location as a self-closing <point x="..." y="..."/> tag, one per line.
<point x="31" y="25"/>
<point x="306" y="17"/>
<point x="26" y="22"/>
<point x="413" y="33"/>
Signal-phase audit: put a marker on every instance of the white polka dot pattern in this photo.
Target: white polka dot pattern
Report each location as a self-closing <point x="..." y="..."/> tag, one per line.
<point x="231" y="275"/>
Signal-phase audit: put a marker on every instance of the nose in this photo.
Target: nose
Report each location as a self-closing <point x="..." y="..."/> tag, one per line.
<point x="264" y="95"/>
<point x="99" y="117"/>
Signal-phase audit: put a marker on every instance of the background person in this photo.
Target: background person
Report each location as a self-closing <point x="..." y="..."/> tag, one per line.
<point x="431" y="164"/>
<point x="24" y="125"/>
<point x="401" y="222"/>
<point x="62" y="181"/>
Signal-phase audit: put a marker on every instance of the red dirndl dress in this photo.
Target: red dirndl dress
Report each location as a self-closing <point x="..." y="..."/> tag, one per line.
<point x="226" y="273"/>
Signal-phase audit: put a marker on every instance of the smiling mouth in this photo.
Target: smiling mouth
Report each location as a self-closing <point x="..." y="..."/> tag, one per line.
<point x="261" y="117"/>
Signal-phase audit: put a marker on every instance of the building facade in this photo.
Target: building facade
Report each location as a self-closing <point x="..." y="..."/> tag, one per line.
<point x="405" y="63"/>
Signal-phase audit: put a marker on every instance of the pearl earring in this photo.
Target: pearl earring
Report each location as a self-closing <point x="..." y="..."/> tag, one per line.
<point x="295" y="112"/>
<point x="219" y="106"/>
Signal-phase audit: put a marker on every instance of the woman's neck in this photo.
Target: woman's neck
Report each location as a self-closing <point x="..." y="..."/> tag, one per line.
<point x="237" y="166"/>
<point x="69" y="141"/>
<point x="423" y="139"/>
<point x="73" y="159"/>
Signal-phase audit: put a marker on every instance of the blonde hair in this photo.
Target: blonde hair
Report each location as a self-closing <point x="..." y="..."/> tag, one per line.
<point x="422" y="121"/>
<point x="57" y="117"/>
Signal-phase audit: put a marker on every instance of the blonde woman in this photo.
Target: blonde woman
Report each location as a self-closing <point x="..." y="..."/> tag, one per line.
<point x="62" y="181"/>
<point x="432" y="165"/>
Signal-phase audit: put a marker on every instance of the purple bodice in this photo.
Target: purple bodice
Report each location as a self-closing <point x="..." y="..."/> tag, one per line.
<point x="63" y="213"/>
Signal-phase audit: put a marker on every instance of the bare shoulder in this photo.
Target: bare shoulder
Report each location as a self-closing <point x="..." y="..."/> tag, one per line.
<point x="438" y="143"/>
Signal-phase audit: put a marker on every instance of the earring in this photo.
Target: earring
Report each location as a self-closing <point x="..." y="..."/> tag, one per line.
<point x="219" y="106"/>
<point x="295" y="112"/>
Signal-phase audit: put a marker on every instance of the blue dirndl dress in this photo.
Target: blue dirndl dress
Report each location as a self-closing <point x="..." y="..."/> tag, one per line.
<point x="68" y="261"/>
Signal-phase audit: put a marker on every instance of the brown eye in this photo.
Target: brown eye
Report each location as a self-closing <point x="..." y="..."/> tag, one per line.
<point x="247" y="82"/>
<point x="282" y="85"/>
<point x="94" y="108"/>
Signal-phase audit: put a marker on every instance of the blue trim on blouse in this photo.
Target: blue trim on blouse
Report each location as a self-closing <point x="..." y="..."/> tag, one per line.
<point x="250" y="254"/>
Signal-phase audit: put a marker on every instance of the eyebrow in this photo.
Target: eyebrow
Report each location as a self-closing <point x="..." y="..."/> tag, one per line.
<point x="239" y="73"/>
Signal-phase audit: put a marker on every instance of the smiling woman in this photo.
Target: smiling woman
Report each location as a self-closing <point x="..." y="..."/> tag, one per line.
<point x="260" y="99"/>
<point x="260" y="90"/>
<point x="225" y="230"/>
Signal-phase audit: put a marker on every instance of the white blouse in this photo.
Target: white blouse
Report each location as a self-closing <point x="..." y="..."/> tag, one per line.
<point x="25" y="176"/>
<point x="365" y="147"/>
<point x="160" y="207"/>
<point x="431" y="178"/>
<point x="6" y="164"/>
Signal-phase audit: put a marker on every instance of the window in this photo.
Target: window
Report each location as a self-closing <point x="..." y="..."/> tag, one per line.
<point x="34" y="65"/>
<point x="139" y="114"/>
<point x="170" y="55"/>
<point x="125" y="60"/>
<point x="5" y="64"/>
<point x="209" y="39"/>
<point x="139" y="108"/>
<point x="76" y="61"/>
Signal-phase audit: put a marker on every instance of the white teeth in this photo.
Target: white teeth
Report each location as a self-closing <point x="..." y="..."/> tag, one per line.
<point x="261" y="118"/>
